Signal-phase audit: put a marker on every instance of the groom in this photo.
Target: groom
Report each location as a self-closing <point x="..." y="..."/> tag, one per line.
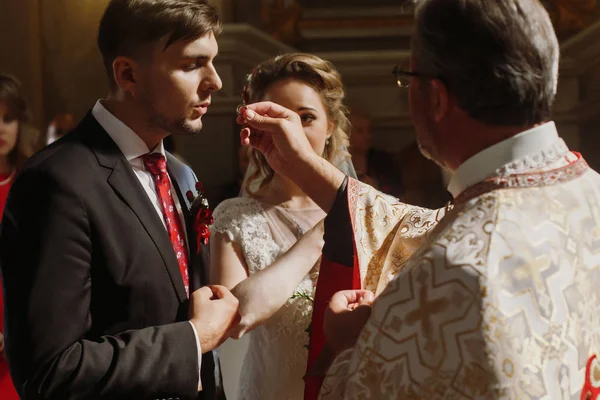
<point x="100" y="264"/>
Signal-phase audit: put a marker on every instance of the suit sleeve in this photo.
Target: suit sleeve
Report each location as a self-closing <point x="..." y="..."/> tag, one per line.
<point x="46" y="255"/>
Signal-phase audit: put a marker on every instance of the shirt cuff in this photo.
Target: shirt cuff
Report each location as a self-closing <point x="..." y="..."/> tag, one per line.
<point x="199" y="356"/>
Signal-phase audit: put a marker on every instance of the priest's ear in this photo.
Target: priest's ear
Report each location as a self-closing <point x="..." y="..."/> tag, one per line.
<point x="126" y="73"/>
<point x="440" y="100"/>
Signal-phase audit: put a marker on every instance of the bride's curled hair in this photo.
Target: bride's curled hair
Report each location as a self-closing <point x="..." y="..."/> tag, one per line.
<point x="324" y="79"/>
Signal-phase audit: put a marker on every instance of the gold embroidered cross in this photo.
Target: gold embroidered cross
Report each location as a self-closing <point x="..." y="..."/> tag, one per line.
<point x="425" y="310"/>
<point x="534" y="271"/>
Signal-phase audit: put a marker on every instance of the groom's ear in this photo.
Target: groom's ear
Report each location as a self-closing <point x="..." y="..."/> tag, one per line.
<point x="126" y="74"/>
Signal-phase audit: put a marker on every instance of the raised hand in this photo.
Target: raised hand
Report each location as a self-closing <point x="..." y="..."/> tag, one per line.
<point x="277" y="133"/>
<point x="347" y="314"/>
<point x="213" y="311"/>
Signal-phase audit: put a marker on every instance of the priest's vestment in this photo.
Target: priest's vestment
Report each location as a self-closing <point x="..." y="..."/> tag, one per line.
<point x="493" y="297"/>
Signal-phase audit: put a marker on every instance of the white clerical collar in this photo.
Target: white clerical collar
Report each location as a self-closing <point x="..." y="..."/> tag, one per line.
<point x="130" y="144"/>
<point x="485" y="163"/>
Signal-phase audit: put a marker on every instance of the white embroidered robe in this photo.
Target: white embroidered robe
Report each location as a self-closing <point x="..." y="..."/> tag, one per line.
<point x="498" y="301"/>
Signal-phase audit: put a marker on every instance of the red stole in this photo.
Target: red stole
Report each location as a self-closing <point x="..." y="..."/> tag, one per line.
<point x="339" y="270"/>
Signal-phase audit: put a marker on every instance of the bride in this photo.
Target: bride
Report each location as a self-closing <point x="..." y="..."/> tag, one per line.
<point x="267" y="244"/>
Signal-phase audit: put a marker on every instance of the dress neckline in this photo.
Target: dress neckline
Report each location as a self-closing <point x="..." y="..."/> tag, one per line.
<point x="297" y="209"/>
<point x="7" y="178"/>
<point x="280" y="206"/>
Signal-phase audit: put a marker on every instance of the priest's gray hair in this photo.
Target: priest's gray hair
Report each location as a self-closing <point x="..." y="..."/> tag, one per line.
<point x="498" y="58"/>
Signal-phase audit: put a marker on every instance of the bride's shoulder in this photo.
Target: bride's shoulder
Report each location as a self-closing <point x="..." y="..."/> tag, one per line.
<point x="237" y="211"/>
<point x="238" y="206"/>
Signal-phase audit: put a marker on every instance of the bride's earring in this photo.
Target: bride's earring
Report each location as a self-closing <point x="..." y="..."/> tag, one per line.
<point x="326" y="149"/>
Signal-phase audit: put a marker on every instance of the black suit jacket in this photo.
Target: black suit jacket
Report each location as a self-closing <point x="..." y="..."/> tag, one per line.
<point x="95" y="306"/>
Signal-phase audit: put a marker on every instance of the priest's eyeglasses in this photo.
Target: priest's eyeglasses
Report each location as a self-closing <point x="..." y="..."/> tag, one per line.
<point x="403" y="77"/>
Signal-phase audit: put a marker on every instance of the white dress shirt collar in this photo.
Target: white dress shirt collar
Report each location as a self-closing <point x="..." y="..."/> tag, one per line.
<point x="485" y="163"/>
<point x="130" y="144"/>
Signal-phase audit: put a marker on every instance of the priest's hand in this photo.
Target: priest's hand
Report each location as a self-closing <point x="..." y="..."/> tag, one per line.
<point x="347" y="314"/>
<point x="279" y="135"/>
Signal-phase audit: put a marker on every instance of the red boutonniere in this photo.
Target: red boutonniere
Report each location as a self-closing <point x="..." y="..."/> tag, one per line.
<point x="202" y="215"/>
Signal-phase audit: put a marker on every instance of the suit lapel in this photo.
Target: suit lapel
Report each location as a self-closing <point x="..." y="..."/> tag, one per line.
<point x="189" y="221"/>
<point x="127" y="186"/>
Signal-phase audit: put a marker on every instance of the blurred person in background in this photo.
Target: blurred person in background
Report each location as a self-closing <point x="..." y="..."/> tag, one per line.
<point x="374" y="167"/>
<point x="17" y="143"/>
<point x="360" y="145"/>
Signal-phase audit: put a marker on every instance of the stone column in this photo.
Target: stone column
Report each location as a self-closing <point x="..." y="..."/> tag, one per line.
<point x="370" y="87"/>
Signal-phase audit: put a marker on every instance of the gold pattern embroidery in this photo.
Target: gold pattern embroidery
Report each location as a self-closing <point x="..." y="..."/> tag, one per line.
<point x="500" y="302"/>
<point x="426" y="308"/>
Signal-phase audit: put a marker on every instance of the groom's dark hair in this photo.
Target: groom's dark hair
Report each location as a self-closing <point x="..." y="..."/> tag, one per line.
<point x="130" y="27"/>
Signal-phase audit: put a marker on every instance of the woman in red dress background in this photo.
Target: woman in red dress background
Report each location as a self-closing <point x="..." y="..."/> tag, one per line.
<point x="17" y="142"/>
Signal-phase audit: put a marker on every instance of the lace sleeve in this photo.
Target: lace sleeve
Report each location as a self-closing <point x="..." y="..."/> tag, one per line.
<point x="242" y="221"/>
<point x="230" y="215"/>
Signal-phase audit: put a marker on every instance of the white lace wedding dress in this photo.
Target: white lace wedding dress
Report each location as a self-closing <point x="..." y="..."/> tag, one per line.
<point x="275" y="361"/>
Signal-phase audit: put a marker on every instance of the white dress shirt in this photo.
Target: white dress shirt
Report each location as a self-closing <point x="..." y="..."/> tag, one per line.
<point x="133" y="148"/>
<point x="486" y="163"/>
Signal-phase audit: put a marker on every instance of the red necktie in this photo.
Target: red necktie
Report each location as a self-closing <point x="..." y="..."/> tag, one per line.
<point x="157" y="165"/>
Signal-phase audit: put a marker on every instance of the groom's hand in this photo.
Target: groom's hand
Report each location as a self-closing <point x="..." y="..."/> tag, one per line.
<point x="213" y="310"/>
<point x="346" y="316"/>
<point x="277" y="133"/>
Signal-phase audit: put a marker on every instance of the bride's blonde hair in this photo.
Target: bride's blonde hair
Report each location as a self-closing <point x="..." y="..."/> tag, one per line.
<point x="321" y="76"/>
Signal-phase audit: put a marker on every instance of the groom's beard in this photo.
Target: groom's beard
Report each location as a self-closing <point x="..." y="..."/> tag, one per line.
<point x="176" y="126"/>
<point x="179" y="126"/>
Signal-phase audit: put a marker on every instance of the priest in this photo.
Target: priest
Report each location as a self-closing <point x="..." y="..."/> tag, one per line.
<point x="494" y="296"/>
